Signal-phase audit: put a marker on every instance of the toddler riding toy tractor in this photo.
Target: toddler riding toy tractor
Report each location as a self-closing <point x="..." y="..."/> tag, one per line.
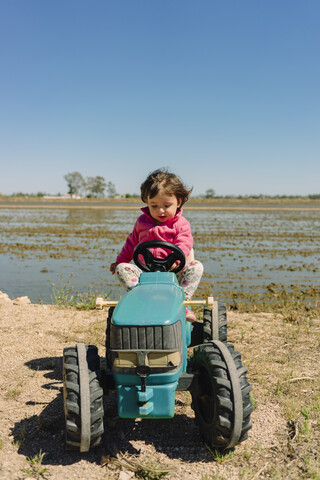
<point x="147" y="341"/>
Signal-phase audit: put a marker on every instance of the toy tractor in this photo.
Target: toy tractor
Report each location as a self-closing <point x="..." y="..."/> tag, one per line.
<point x="147" y="341"/>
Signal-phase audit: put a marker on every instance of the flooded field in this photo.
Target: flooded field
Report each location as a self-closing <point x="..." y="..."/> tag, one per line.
<point x="253" y="258"/>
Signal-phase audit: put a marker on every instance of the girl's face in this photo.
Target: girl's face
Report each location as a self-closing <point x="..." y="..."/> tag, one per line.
<point x="163" y="207"/>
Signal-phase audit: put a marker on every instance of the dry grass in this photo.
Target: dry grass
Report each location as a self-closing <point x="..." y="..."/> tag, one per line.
<point x="283" y="360"/>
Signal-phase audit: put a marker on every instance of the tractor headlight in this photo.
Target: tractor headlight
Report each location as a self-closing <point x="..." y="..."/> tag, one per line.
<point x="150" y="359"/>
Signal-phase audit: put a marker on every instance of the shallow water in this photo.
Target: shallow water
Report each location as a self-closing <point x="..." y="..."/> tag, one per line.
<point x="247" y="255"/>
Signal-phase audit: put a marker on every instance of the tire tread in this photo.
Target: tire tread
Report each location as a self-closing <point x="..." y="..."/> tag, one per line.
<point x="217" y="432"/>
<point x="72" y="399"/>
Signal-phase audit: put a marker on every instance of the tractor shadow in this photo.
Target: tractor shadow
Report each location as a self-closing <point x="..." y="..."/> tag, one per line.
<point x="45" y="432"/>
<point x="177" y="438"/>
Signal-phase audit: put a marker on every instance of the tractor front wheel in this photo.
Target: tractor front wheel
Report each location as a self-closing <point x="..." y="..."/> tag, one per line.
<point x="83" y="397"/>
<point x="220" y="395"/>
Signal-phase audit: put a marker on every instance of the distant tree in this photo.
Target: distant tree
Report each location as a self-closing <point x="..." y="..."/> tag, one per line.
<point x="75" y="183"/>
<point x="89" y="185"/>
<point x="111" y="189"/>
<point x="95" y="186"/>
<point x="210" y="193"/>
<point x="132" y="195"/>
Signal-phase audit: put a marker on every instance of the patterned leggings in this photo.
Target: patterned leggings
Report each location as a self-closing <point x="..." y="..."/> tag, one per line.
<point x="189" y="278"/>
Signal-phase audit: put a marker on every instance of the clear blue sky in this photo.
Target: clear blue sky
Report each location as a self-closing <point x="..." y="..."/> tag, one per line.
<point x="224" y="93"/>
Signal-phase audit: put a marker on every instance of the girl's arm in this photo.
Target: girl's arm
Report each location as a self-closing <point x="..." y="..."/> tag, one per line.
<point x="126" y="254"/>
<point x="183" y="237"/>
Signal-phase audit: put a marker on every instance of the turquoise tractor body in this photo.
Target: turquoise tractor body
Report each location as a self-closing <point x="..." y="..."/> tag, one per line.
<point x="149" y="337"/>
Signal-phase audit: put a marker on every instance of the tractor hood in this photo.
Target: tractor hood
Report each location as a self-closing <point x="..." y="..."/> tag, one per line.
<point x="156" y="300"/>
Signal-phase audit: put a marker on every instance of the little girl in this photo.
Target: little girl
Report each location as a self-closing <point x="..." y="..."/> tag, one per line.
<point x="162" y="219"/>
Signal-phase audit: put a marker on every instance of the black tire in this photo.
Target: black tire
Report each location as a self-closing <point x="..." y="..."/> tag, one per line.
<point x="209" y="327"/>
<point x="72" y="397"/>
<point x="222" y="416"/>
<point x="108" y="331"/>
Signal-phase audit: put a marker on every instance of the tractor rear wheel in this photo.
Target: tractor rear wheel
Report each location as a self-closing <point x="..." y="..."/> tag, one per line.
<point x="83" y="397"/>
<point x="220" y="395"/>
<point x="215" y="323"/>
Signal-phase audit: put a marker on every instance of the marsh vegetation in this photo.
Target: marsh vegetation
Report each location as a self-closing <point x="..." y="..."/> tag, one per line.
<point x="256" y="258"/>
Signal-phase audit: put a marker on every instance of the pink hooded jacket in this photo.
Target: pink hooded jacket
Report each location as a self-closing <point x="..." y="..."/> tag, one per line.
<point x="177" y="231"/>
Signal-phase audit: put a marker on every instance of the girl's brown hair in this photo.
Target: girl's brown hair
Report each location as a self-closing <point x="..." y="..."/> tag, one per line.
<point x="170" y="183"/>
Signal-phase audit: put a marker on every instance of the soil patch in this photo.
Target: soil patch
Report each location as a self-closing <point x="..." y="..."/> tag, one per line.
<point x="283" y="360"/>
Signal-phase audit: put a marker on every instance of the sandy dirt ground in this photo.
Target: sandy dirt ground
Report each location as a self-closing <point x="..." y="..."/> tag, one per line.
<point x="31" y="407"/>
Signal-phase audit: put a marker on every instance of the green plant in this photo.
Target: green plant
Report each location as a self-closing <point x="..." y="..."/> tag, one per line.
<point x="36" y="468"/>
<point x="316" y="408"/>
<point x="253" y="401"/>
<point x="312" y="467"/>
<point x="13" y="393"/>
<point x="305" y="427"/>
<point x="143" y="468"/>
<point x="242" y="333"/>
<point x="247" y="454"/>
<point x="150" y="474"/>
<point x="244" y="473"/>
<point x="220" y="456"/>
<point x="86" y="301"/>
<point x="19" y="442"/>
<point x="213" y="477"/>
<point x="65" y="295"/>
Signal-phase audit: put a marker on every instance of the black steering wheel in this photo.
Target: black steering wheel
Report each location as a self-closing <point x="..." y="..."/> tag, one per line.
<point x="154" y="264"/>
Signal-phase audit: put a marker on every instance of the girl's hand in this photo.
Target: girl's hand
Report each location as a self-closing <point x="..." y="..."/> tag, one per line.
<point x="176" y="264"/>
<point x="113" y="267"/>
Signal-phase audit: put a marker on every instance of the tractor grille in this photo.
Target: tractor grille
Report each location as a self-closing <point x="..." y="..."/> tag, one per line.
<point x="165" y="337"/>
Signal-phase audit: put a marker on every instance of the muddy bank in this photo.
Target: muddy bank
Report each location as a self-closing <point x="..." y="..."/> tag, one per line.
<point x="253" y="260"/>
<point x="133" y="203"/>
